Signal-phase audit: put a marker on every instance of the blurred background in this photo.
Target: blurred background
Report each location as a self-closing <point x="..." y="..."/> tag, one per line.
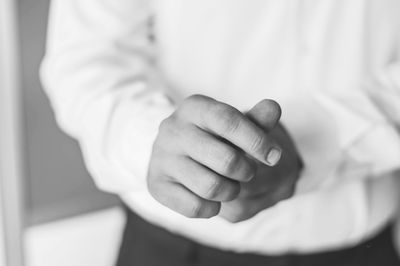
<point x="53" y="213"/>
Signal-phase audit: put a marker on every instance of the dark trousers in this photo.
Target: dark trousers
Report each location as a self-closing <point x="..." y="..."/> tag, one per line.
<point x="144" y="244"/>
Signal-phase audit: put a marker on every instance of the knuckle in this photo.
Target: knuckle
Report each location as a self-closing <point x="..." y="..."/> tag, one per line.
<point x="258" y="144"/>
<point x="152" y="186"/>
<point x="227" y="117"/>
<point x="163" y="125"/>
<point x="193" y="101"/>
<point x="230" y="162"/>
<point x="181" y="112"/>
<point x="236" y="217"/>
<point x="287" y="193"/>
<point x="213" y="188"/>
<point x="232" y="191"/>
<point x="170" y="129"/>
<point x="246" y="170"/>
<point x="195" y="209"/>
<point x="152" y="176"/>
<point x="166" y="125"/>
<point x="240" y="214"/>
<point x="157" y="148"/>
<point x="195" y="98"/>
<point x="250" y="171"/>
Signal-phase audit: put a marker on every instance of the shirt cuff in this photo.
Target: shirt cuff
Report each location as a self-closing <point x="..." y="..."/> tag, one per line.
<point x="132" y="133"/>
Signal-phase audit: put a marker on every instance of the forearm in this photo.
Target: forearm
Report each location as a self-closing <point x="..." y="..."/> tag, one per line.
<point x="98" y="76"/>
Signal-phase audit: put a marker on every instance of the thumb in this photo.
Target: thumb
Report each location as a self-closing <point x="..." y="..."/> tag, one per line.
<point x="265" y="114"/>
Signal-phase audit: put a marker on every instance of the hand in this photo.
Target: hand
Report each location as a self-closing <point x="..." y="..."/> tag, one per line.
<point x="270" y="184"/>
<point x="202" y="152"/>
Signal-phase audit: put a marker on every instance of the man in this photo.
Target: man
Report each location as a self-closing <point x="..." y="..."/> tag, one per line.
<point x="167" y="100"/>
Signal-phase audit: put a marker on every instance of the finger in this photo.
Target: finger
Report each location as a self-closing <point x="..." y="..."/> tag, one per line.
<point x="180" y="199"/>
<point x="227" y="122"/>
<point x="237" y="210"/>
<point x="217" y="155"/>
<point x="265" y="114"/>
<point x="242" y="209"/>
<point x="202" y="181"/>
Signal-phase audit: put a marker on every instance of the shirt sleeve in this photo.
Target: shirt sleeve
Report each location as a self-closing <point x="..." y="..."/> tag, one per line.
<point x="364" y="138"/>
<point x="368" y="123"/>
<point x="384" y="92"/>
<point x="380" y="145"/>
<point x="99" y="74"/>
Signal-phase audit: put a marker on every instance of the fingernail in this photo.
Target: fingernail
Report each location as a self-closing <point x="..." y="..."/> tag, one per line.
<point x="274" y="156"/>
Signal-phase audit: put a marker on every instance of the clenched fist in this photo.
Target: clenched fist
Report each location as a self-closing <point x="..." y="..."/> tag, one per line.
<point x="205" y="150"/>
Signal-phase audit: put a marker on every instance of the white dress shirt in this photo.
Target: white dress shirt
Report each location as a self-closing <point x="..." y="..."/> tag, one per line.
<point x="115" y="69"/>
